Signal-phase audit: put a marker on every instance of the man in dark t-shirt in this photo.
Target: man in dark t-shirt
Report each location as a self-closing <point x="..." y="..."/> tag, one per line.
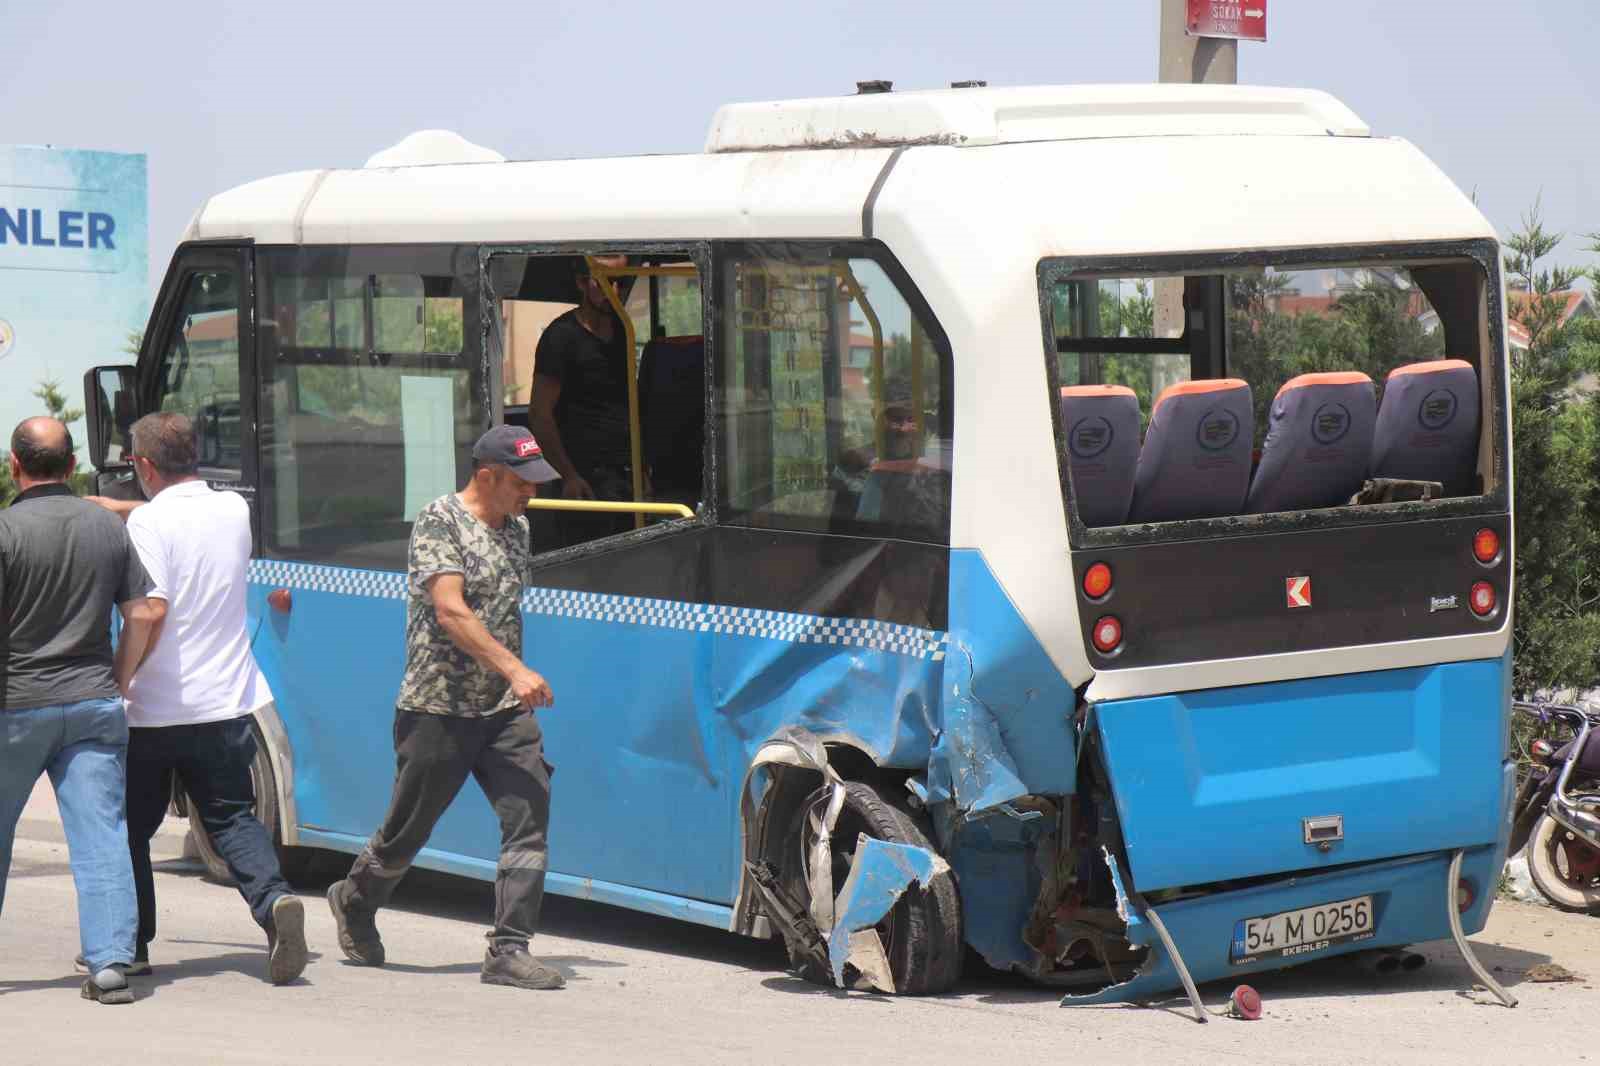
<point x="64" y="563"/>
<point x="579" y="410"/>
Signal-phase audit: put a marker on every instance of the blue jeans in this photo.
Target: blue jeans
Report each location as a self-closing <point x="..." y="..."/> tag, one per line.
<point x="83" y="747"/>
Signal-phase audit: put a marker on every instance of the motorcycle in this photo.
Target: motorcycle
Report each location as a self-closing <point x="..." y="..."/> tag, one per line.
<point x="1556" y="813"/>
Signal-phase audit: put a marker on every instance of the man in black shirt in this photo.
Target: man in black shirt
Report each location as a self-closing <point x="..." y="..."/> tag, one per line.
<point x="63" y="563"/>
<point x="579" y="411"/>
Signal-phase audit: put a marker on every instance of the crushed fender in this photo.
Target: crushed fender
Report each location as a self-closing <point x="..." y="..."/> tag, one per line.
<point x="879" y="876"/>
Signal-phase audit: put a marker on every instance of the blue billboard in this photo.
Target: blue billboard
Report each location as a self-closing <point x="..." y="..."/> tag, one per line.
<point x="74" y="257"/>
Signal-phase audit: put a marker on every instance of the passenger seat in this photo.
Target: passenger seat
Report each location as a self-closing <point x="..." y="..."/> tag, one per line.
<point x="672" y="416"/>
<point x="1428" y="425"/>
<point x="1101" y="424"/>
<point x="1196" y="457"/>
<point x="1319" y="439"/>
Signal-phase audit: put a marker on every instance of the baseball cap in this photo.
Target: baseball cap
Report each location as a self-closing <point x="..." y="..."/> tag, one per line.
<point x="514" y="447"/>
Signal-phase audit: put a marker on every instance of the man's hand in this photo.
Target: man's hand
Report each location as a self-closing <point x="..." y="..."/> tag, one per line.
<point x="531" y="690"/>
<point x="121" y="508"/>
<point x="575" y="488"/>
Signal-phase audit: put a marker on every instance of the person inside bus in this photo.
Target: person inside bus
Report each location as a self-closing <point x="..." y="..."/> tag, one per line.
<point x="579" y="409"/>
<point x="904" y="487"/>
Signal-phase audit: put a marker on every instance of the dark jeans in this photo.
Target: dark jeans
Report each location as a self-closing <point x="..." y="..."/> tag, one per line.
<point x="434" y="753"/>
<point x="212" y="760"/>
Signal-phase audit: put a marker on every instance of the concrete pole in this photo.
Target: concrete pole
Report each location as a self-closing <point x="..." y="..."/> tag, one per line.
<point x="1187" y="61"/>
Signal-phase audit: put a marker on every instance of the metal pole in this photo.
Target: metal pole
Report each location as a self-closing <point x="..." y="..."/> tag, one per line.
<point x="1184" y="60"/>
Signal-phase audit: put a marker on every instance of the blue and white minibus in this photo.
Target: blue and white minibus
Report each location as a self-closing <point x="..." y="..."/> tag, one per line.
<point x="1093" y="499"/>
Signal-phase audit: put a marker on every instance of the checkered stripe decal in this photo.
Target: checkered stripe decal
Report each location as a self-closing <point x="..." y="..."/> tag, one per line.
<point x="379" y="584"/>
<point x="632" y="610"/>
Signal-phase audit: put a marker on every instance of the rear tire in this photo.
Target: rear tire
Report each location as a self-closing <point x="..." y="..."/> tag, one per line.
<point x="922" y="934"/>
<point x="1565" y="869"/>
<point x="295" y="863"/>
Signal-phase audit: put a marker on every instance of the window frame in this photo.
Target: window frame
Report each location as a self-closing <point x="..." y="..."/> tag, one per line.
<point x="1485" y="252"/>
<point x="191" y="258"/>
<point x="370" y="258"/>
<point x="728" y="252"/>
<point x="697" y="251"/>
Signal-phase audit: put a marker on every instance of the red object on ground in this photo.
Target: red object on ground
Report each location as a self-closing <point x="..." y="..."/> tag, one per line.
<point x="1245" y="1003"/>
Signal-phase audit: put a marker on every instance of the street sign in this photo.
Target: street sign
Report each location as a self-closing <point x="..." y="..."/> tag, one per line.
<point x="1239" y="20"/>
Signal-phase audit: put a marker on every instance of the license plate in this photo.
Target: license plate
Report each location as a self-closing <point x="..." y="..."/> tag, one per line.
<point x="1291" y="933"/>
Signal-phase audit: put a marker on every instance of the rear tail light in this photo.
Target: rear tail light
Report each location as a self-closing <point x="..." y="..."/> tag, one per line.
<point x="1097" y="581"/>
<point x="1486" y="546"/>
<point x="1107" y="634"/>
<point x="1466" y="895"/>
<point x="1542" y="751"/>
<point x="1482" y="599"/>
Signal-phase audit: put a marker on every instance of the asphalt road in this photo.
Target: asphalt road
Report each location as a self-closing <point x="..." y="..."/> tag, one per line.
<point x="648" y="990"/>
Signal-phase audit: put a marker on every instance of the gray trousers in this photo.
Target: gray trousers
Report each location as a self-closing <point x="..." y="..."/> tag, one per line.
<point x="434" y="753"/>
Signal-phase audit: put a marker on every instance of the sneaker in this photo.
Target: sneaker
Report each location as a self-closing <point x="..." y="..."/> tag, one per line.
<point x="110" y="985"/>
<point x="286" y="940"/>
<point x="358" y="933"/>
<point x="515" y="967"/>
<point x="139" y="967"/>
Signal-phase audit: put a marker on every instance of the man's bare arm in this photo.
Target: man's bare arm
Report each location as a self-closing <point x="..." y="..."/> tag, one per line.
<point x="542" y="423"/>
<point x="121" y="508"/>
<point x="140" y="619"/>
<point x="473" y="637"/>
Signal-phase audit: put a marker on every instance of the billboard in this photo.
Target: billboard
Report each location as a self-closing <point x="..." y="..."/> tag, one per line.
<point x="74" y="257"/>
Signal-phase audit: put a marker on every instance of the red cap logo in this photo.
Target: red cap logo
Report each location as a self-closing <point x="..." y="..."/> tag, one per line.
<point x="526" y="447"/>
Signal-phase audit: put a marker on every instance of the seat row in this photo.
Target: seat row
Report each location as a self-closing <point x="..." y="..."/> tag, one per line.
<point x="1327" y="434"/>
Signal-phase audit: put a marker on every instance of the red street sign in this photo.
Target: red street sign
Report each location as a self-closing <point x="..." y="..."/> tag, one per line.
<point x="1298" y="590"/>
<point x="1240" y="20"/>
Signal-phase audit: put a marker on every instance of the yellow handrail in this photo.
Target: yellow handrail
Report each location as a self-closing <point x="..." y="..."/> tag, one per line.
<point x="635" y="449"/>
<point x="848" y="277"/>
<point x="677" y="510"/>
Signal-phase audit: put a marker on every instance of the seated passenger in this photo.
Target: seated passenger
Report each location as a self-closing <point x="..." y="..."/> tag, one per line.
<point x="1195" y="462"/>
<point x="903" y="487"/>
<point x="1101" y="424"/>
<point x="1317" y="445"/>
<point x="1428" y="425"/>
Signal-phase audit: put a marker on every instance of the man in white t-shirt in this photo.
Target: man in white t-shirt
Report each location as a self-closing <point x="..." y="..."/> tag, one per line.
<point x="190" y="705"/>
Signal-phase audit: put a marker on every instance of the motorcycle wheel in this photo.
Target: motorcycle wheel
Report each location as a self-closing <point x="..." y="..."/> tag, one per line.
<point x="1565" y="869"/>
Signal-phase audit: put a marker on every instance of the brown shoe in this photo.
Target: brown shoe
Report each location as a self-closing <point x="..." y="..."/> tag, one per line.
<point x="358" y="933"/>
<point x="286" y="940"/>
<point x="515" y="967"/>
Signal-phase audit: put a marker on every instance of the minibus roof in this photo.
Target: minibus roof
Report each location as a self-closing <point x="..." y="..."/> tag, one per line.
<point x="980" y="116"/>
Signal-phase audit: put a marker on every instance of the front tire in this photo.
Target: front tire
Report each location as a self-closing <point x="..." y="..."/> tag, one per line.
<point x="922" y="934"/>
<point x="1565" y="869"/>
<point x="295" y="863"/>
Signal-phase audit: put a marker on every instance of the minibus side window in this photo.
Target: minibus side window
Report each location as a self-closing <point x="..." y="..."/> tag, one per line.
<point x="370" y="397"/>
<point x="833" y="398"/>
<point x="199" y="374"/>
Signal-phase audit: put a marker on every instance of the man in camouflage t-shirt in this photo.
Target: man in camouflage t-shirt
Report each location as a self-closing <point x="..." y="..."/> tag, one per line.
<point x="466" y="707"/>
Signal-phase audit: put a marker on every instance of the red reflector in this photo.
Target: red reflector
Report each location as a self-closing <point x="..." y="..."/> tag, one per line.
<point x="1107" y="633"/>
<point x="1097" y="581"/>
<point x="1486" y="545"/>
<point x="1465" y="895"/>
<point x="1482" y="599"/>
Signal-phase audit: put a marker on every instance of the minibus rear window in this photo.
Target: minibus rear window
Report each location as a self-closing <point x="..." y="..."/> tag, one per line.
<point x="1253" y="388"/>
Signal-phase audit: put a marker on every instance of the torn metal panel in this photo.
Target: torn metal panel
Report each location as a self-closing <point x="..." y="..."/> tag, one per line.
<point x="878" y="877"/>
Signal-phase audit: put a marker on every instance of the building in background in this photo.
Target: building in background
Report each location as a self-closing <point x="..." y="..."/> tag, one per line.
<point x="73" y="264"/>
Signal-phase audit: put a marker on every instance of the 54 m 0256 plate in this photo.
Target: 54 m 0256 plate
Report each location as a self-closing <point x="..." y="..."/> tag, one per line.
<point x="1302" y="931"/>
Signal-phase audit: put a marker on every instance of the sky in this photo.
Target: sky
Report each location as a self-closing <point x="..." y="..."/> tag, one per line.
<point x="1501" y="96"/>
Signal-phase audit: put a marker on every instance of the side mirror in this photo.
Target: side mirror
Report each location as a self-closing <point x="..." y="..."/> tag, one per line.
<point x="110" y="410"/>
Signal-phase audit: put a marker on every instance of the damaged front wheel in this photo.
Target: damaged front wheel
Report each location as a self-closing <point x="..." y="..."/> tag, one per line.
<point x="921" y="934"/>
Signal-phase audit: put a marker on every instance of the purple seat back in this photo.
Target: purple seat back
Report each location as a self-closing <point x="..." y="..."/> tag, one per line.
<point x="1428" y="425"/>
<point x="1196" y="457"/>
<point x="1318" y="442"/>
<point x="1101" y="423"/>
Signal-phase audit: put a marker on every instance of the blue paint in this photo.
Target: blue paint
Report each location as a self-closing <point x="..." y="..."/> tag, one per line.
<point x="879" y="875"/>
<point x="1006" y="725"/>
<point x="558" y="884"/>
<point x="1213" y="785"/>
<point x="1409" y="899"/>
